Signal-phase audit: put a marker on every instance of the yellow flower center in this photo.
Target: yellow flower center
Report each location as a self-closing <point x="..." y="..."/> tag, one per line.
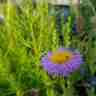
<point x="60" y="57"/>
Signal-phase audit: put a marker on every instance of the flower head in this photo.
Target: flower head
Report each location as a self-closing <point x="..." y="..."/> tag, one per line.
<point x="62" y="61"/>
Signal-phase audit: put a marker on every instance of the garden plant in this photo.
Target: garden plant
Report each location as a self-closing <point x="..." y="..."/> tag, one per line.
<point x="33" y="62"/>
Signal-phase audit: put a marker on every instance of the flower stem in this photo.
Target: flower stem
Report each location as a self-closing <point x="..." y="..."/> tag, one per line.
<point x="19" y="93"/>
<point x="68" y="90"/>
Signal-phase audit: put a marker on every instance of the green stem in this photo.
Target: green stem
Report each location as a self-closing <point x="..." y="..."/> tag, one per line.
<point x="68" y="91"/>
<point x="50" y="92"/>
<point x="19" y="92"/>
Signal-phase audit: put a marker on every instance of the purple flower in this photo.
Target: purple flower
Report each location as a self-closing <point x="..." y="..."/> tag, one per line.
<point x="63" y="61"/>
